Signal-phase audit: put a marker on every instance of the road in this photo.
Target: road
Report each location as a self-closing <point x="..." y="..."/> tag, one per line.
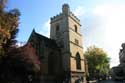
<point x="110" y="81"/>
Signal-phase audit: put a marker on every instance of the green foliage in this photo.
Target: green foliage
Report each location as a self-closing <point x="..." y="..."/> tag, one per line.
<point x="15" y="64"/>
<point x="8" y="27"/>
<point x="98" y="62"/>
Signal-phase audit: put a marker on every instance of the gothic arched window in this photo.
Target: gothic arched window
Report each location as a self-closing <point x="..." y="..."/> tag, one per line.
<point x="75" y="28"/>
<point x="57" y="27"/>
<point x="78" y="61"/>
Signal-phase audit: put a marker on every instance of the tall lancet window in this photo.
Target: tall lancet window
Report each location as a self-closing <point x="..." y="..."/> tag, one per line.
<point x="78" y="61"/>
<point x="76" y="29"/>
<point x="57" y="28"/>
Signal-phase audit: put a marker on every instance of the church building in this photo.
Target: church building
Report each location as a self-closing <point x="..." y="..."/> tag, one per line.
<point x="61" y="55"/>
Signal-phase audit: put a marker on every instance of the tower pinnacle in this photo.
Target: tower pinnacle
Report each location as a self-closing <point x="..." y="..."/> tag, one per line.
<point x="65" y="8"/>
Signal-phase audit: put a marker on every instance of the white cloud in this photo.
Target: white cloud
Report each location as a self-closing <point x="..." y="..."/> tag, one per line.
<point x="46" y="29"/>
<point x="79" y="11"/>
<point x="114" y="28"/>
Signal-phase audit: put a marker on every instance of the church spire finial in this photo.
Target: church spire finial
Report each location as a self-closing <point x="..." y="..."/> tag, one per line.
<point x="65" y="8"/>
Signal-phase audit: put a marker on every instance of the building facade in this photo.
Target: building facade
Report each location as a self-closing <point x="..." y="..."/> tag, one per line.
<point x="61" y="55"/>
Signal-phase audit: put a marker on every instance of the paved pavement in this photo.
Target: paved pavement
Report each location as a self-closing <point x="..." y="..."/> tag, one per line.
<point x="110" y="81"/>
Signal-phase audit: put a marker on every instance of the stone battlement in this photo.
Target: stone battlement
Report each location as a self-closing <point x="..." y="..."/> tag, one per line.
<point x="65" y="12"/>
<point x="56" y="17"/>
<point x="74" y="17"/>
<point x="59" y="16"/>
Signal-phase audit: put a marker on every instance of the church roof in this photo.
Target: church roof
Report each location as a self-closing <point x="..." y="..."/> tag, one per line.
<point x="48" y="42"/>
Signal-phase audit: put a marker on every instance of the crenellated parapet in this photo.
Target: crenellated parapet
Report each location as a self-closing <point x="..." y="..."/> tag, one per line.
<point x="57" y="17"/>
<point x="72" y="15"/>
<point x="65" y="13"/>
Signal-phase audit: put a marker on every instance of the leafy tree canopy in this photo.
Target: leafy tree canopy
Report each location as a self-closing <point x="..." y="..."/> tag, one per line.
<point x="9" y="21"/>
<point x="98" y="61"/>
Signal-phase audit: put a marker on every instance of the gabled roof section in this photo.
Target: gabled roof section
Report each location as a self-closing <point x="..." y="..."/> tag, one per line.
<point x="48" y="42"/>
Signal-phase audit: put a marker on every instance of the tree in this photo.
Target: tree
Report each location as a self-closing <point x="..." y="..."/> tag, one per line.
<point x="9" y="21"/>
<point x="8" y="28"/>
<point x="98" y="62"/>
<point x="19" y="65"/>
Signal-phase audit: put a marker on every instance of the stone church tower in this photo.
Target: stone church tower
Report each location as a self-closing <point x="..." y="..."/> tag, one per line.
<point x="65" y="30"/>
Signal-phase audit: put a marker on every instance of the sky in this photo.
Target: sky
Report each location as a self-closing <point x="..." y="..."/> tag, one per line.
<point x="103" y="21"/>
